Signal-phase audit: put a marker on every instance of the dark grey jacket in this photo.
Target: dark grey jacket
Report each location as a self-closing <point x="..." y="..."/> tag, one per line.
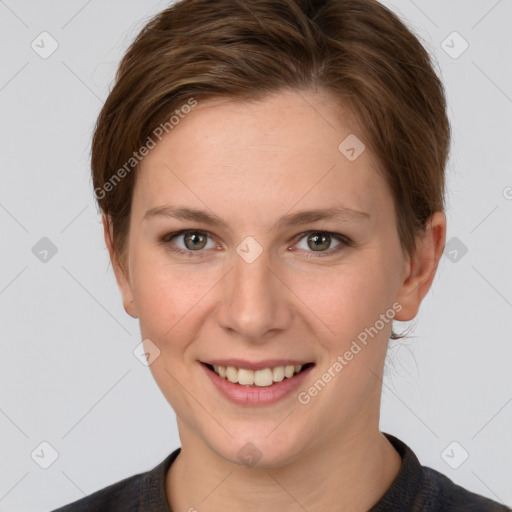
<point x="415" y="489"/>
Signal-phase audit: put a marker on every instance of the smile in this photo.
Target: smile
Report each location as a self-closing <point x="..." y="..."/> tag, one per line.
<point x="259" y="386"/>
<point x="262" y="378"/>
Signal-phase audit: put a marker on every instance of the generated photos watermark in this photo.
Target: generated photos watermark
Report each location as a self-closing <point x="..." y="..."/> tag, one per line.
<point x="304" y="397"/>
<point x="143" y="151"/>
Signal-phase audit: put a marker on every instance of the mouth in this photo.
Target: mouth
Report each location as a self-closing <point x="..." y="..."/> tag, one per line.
<point x="264" y="377"/>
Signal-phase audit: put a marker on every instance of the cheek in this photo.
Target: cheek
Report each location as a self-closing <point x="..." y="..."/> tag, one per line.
<point x="346" y="299"/>
<point x="168" y="298"/>
<point x="341" y="301"/>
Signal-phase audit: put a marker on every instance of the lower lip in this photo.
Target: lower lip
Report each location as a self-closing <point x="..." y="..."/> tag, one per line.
<point x="256" y="395"/>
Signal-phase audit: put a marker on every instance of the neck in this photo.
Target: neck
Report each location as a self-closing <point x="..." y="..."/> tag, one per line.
<point x="349" y="473"/>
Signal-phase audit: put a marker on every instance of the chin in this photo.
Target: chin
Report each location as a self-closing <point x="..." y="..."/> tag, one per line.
<point x="259" y="452"/>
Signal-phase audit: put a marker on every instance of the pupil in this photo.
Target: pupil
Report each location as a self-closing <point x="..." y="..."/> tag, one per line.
<point x="194" y="238"/>
<point x="317" y="237"/>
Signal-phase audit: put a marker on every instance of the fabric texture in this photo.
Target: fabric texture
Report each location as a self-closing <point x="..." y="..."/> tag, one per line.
<point x="416" y="488"/>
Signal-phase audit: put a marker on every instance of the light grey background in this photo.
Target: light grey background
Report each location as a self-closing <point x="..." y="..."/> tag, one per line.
<point x="68" y="374"/>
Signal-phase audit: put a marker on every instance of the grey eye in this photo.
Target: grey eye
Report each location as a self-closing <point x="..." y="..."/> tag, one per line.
<point x="318" y="241"/>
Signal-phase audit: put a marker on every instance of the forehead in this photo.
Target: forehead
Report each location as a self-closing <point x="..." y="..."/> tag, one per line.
<point x="274" y="152"/>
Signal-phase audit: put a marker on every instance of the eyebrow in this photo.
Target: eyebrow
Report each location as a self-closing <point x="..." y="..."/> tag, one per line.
<point x="339" y="213"/>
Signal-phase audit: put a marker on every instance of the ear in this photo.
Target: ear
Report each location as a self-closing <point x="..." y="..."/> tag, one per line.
<point x="421" y="268"/>
<point x="122" y="274"/>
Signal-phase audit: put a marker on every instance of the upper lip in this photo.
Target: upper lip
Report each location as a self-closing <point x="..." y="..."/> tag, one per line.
<point x="252" y="365"/>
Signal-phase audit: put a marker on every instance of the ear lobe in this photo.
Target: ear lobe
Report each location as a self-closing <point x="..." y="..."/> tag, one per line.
<point x="122" y="277"/>
<point x="422" y="267"/>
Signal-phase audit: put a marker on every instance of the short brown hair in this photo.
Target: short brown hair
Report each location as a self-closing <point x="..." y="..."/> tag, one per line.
<point x="357" y="50"/>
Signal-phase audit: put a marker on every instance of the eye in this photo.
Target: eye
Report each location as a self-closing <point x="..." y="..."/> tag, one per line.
<point x="193" y="241"/>
<point x="320" y="242"/>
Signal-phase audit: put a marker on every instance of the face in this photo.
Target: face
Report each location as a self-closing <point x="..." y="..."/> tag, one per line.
<point x="254" y="286"/>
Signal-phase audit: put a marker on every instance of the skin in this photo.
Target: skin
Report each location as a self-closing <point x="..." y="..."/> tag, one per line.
<point x="250" y="164"/>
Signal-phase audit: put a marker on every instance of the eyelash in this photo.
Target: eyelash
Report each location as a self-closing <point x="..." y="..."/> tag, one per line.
<point x="344" y="242"/>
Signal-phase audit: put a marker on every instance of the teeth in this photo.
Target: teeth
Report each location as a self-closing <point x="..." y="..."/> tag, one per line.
<point x="232" y="374"/>
<point x="278" y="374"/>
<point x="246" y="377"/>
<point x="262" y="378"/>
<point x="289" y="371"/>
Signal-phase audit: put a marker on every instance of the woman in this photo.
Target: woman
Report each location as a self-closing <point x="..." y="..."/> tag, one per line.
<point x="271" y="178"/>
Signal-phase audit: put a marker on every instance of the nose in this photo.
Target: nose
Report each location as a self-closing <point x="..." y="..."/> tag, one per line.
<point x="255" y="302"/>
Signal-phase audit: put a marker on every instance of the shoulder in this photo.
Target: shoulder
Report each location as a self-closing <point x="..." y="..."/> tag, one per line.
<point x="116" y="497"/>
<point x="131" y="494"/>
<point x="419" y="488"/>
<point x="453" y="497"/>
